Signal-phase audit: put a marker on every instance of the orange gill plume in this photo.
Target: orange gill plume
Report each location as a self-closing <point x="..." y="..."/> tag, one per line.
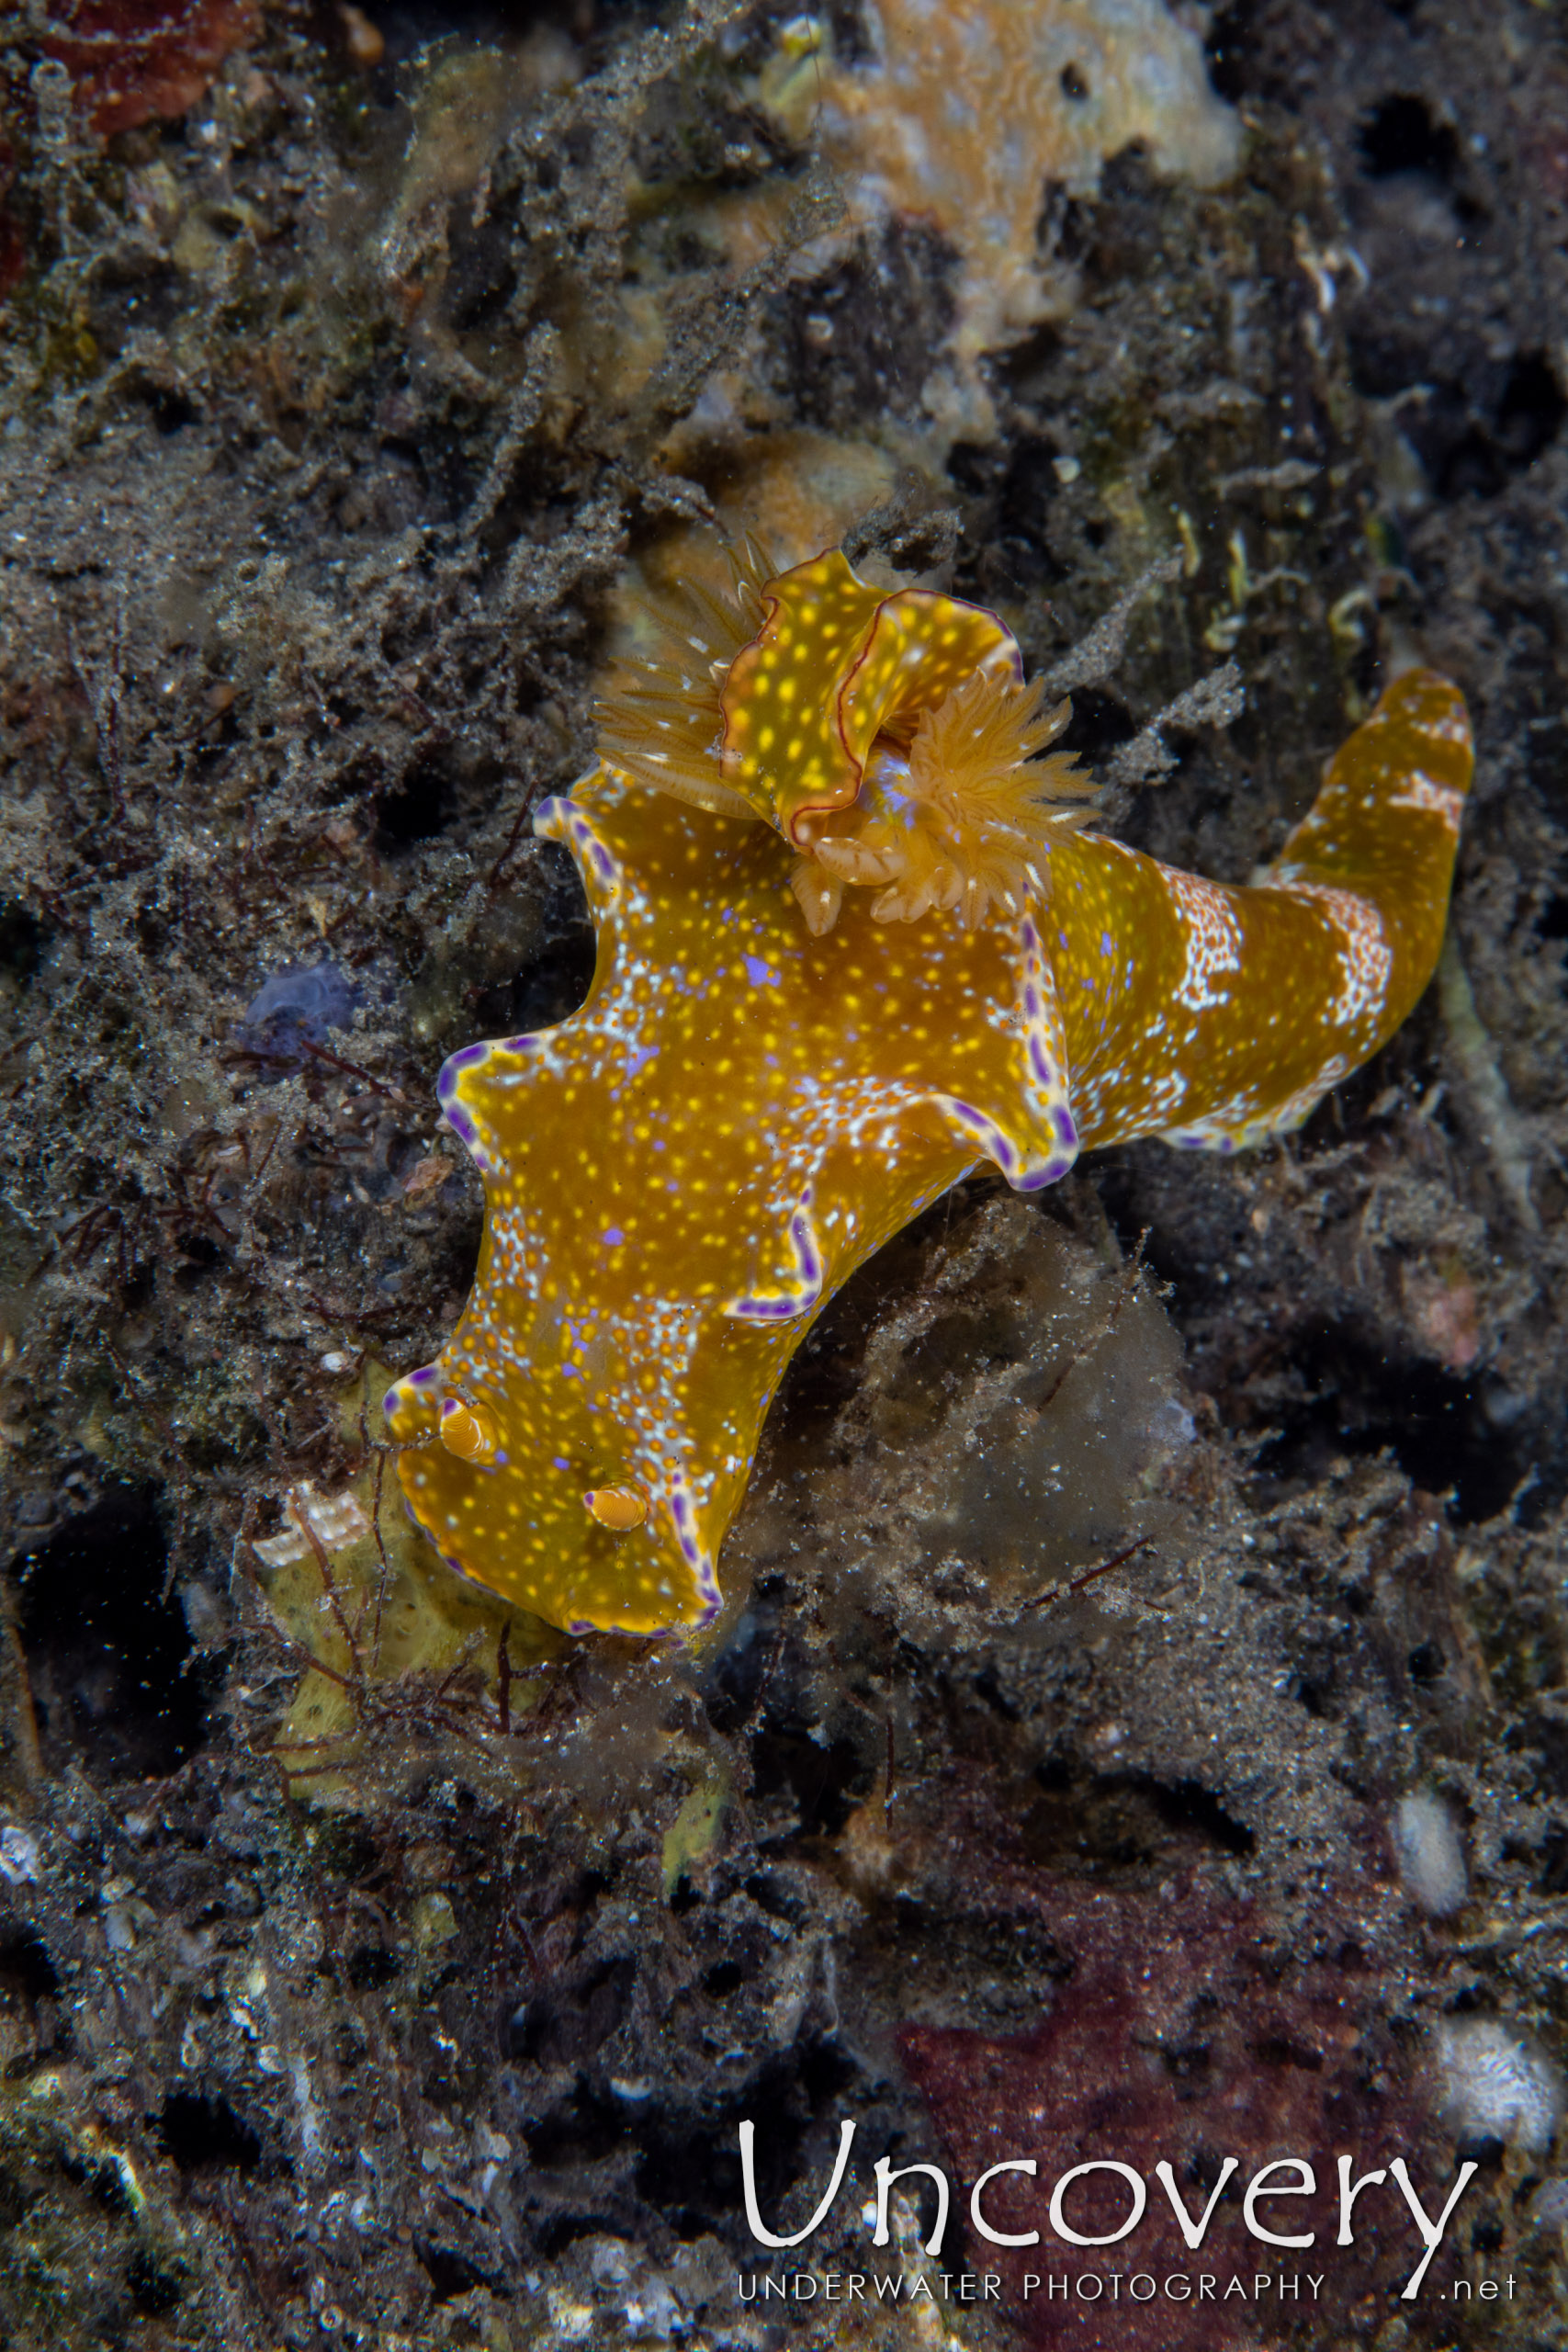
<point x="659" y="720"/>
<point x="964" y="815"/>
<point x="886" y="733"/>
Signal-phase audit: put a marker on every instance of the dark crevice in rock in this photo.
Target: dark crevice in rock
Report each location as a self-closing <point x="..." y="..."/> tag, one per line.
<point x="206" y="2135"/>
<point x="110" y="1653"/>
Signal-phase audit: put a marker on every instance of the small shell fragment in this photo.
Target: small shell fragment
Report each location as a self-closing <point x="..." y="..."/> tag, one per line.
<point x="335" y="1521"/>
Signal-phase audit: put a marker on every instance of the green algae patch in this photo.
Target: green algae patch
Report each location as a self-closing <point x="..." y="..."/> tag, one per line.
<point x="693" y="1835"/>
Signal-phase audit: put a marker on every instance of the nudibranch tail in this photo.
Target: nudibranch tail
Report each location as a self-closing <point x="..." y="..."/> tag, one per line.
<point x="1219" y="1016"/>
<point x="855" y="942"/>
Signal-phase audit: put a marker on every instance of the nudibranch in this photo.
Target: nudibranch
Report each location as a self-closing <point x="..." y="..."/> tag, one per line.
<point x="854" y="939"/>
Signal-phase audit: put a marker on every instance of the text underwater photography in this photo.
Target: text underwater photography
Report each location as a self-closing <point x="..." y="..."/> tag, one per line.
<point x="929" y="2286"/>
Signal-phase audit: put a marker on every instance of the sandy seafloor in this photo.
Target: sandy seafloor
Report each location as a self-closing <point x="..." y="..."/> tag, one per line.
<point x="333" y="412"/>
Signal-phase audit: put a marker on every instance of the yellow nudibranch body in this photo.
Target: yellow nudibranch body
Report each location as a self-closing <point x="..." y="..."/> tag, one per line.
<point x="853" y="941"/>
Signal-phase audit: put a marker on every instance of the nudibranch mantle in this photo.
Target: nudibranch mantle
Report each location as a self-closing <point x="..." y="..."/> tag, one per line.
<point x="759" y="1092"/>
